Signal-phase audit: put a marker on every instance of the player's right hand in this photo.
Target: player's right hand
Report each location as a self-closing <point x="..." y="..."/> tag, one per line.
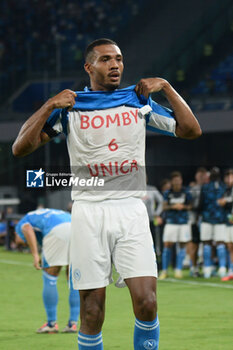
<point x="178" y="206"/>
<point x="221" y="202"/>
<point x="64" y="99"/>
<point x="37" y="262"/>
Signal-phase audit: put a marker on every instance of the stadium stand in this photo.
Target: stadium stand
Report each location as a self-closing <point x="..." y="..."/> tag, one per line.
<point x="219" y="81"/>
<point x="51" y="35"/>
<point x="52" y="50"/>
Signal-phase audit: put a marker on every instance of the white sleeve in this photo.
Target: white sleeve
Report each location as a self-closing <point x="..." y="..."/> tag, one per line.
<point x="159" y="121"/>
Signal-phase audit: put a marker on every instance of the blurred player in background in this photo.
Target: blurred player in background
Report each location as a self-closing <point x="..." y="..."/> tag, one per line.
<point x="106" y="133"/>
<point x="227" y="203"/>
<point x="177" y="203"/>
<point x="154" y="204"/>
<point x="50" y="228"/>
<point x="192" y="248"/>
<point x="3" y="228"/>
<point x="213" y="227"/>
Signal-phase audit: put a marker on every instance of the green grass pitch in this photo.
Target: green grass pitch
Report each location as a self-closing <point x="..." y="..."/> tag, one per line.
<point x="192" y="316"/>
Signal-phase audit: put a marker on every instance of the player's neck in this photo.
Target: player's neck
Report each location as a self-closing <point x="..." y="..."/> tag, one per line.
<point x="97" y="87"/>
<point x="176" y="188"/>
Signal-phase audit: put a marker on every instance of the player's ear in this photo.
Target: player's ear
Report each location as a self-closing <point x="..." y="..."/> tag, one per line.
<point x="87" y="67"/>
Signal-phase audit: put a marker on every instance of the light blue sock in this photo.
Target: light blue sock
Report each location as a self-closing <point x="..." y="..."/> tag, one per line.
<point x="228" y="260"/>
<point x="231" y="266"/>
<point x="166" y="257"/>
<point x="207" y="251"/>
<point x="90" y="342"/>
<point x="74" y="302"/>
<point x="180" y="258"/>
<point x="222" y="255"/>
<point x="50" y="296"/>
<point x="146" y="334"/>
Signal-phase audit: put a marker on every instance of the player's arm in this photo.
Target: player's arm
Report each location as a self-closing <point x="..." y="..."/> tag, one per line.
<point x="186" y="207"/>
<point x="31" y="135"/>
<point x="187" y="126"/>
<point x="222" y="202"/>
<point x="175" y="206"/>
<point x="167" y="206"/>
<point x="188" y="202"/>
<point x="159" y="202"/>
<point x="30" y="236"/>
<point x="200" y="206"/>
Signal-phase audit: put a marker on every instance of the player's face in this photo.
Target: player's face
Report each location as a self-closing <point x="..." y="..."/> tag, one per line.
<point x="176" y="182"/>
<point x="106" y="68"/>
<point x="200" y="177"/>
<point x="228" y="179"/>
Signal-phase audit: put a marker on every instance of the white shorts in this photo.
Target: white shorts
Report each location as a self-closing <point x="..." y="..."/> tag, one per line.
<point x="177" y="233"/>
<point x="110" y="232"/>
<point x="55" y="246"/>
<point x="229" y="234"/>
<point x="215" y="232"/>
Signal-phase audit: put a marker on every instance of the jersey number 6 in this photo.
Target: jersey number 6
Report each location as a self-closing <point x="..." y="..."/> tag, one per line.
<point x="112" y="145"/>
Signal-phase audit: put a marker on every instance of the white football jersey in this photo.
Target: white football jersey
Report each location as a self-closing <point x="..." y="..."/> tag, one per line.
<point x="108" y="146"/>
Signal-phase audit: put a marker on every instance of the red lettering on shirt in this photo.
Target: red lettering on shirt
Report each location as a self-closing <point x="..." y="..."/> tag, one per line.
<point x="95" y="124"/>
<point x="99" y="121"/>
<point x="116" y="168"/>
<point x="134" y="164"/>
<point x="84" y="121"/>
<point x="108" y="169"/>
<point x="96" y="170"/>
<point x="109" y="120"/>
<point x="135" y="115"/>
<point x="126" y="118"/>
<point x="122" y="169"/>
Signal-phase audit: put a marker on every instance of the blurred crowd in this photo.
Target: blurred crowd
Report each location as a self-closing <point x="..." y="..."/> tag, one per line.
<point x="192" y="225"/>
<point x="38" y="35"/>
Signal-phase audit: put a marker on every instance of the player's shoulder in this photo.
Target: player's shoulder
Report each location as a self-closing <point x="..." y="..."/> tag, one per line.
<point x="205" y="186"/>
<point x="21" y="222"/>
<point x="151" y="188"/>
<point x="166" y="193"/>
<point x="186" y="189"/>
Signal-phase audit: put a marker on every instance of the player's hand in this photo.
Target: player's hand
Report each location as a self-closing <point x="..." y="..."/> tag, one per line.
<point x="221" y="202"/>
<point x="158" y="220"/>
<point x="147" y="86"/>
<point x="64" y="99"/>
<point x="178" y="206"/>
<point x="37" y="262"/>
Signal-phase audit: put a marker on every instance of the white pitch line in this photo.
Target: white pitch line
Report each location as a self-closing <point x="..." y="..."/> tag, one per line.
<point x="13" y="262"/>
<point x="203" y="284"/>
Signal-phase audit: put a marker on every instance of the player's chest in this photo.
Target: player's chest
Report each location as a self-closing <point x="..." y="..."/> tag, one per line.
<point x="175" y="198"/>
<point x="96" y="127"/>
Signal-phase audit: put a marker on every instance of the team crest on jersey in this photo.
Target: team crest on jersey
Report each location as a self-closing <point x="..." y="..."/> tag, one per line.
<point x="149" y="344"/>
<point x="35" y="178"/>
<point x="77" y="274"/>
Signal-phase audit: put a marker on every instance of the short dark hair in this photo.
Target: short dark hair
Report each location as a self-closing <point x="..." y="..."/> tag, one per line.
<point x="228" y="172"/>
<point x="175" y="174"/>
<point x="215" y="174"/>
<point x="93" y="44"/>
<point x="201" y="170"/>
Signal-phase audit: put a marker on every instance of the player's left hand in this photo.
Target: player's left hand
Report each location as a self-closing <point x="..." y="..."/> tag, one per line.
<point x="179" y="206"/>
<point x="221" y="202"/>
<point x="147" y="86"/>
<point x="158" y="220"/>
<point x="37" y="262"/>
